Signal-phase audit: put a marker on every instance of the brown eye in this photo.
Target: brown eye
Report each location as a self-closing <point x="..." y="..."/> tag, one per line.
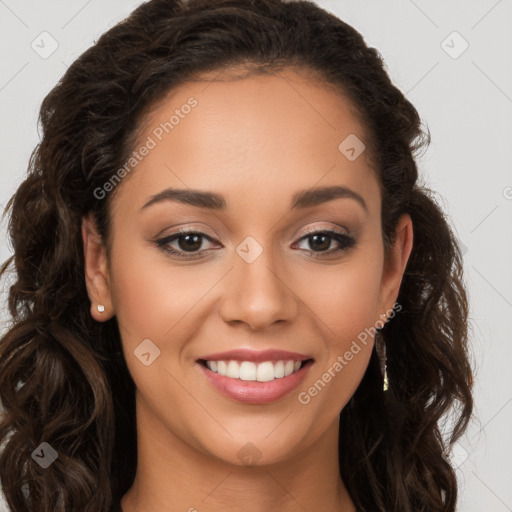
<point x="320" y="242"/>
<point x="189" y="242"/>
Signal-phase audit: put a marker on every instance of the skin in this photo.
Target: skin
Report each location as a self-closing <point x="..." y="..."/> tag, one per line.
<point x="256" y="141"/>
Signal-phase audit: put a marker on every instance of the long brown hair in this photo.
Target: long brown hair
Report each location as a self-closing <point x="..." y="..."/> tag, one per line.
<point x="63" y="379"/>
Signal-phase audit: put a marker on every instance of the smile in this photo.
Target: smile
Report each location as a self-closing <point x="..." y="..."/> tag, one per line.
<point x="250" y="371"/>
<point x="256" y="378"/>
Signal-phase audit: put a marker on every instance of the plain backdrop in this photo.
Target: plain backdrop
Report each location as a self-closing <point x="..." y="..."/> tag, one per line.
<point x="452" y="60"/>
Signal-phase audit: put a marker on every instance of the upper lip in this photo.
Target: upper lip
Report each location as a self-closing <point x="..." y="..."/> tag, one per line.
<point x="244" y="354"/>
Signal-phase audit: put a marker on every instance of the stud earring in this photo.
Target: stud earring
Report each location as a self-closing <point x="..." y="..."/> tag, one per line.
<point x="101" y="308"/>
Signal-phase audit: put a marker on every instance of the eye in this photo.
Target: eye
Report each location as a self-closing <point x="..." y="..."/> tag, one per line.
<point x="187" y="241"/>
<point x="320" y="242"/>
<point x="189" y="244"/>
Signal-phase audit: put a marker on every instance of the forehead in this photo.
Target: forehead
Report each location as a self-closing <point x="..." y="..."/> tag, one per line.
<point x="297" y="102"/>
<point x="281" y="131"/>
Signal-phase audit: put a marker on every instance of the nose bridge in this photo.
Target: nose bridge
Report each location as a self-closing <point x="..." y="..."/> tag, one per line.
<point x="256" y="294"/>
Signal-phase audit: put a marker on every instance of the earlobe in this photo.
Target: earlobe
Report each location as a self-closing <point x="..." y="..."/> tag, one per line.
<point x="96" y="271"/>
<point x="396" y="262"/>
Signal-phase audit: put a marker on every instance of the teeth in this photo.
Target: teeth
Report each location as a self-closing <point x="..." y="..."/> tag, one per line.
<point x="233" y="370"/>
<point x="265" y="372"/>
<point x="247" y="370"/>
<point x="279" y="369"/>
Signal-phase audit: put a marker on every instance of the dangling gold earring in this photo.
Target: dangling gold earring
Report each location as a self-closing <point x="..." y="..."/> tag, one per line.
<point x="380" y="347"/>
<point x="385" y="386"/>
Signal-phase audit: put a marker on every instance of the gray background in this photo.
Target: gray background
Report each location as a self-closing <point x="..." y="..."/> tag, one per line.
<point x="466" y="102"/>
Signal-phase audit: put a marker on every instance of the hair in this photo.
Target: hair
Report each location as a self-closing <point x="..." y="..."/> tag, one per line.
<point x="63" y="379"/>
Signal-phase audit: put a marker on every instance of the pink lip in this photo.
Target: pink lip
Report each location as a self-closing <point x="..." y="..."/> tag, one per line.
<point x="254" y="392"/>
<point x="244" y="354"/>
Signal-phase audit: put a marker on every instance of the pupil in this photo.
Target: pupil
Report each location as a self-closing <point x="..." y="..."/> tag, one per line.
<point x="324" y="246"/>
<point x="192" y="242"/>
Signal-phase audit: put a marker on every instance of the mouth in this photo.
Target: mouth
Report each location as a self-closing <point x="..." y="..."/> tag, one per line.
<point x="255" y="377"/>
<point x="251" y="371"/>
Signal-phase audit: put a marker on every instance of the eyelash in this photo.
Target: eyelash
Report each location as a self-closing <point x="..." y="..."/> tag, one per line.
<point x="346" y="242"/>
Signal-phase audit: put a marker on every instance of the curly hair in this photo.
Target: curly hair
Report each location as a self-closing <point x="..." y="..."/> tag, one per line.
<point x="63" y="379"/>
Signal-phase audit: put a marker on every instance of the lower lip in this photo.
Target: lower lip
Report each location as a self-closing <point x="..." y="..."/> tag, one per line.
<point x="255" y="392"/>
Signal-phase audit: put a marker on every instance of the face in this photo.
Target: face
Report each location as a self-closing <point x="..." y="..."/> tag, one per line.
<point x="282" y="261"/>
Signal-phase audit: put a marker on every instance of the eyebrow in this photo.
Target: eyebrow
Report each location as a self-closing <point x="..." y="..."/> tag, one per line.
<point x="214" y="201"/>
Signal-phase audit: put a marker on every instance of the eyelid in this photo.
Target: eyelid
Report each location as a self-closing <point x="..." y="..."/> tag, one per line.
<point x="321" y="229"/>
<point x="296" y="237"/>
<point x="189" y="228"/>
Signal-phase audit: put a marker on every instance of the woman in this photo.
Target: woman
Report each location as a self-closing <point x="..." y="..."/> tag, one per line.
<point x="231" y="291"/>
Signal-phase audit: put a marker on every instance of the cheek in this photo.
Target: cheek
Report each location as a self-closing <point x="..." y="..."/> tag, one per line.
<point x="345" y="298"/>
<point x="356" y="298"/>
<point x="346" y="304"/>
<point x="151" y="297"/>
<point x="154" y="301"/>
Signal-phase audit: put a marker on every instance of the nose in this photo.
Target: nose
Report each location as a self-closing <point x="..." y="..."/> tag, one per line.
<point x="258" y="294"/>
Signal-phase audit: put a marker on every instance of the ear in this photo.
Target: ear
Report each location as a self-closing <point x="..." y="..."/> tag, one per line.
<point x="395" y="263"/>
<point x="96" y="271"/>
